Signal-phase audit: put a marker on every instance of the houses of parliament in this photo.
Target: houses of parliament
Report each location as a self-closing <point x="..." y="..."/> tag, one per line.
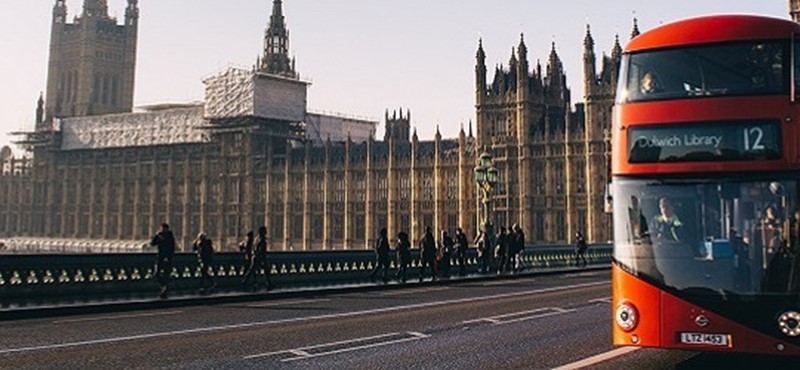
<point x="252" y="154"/>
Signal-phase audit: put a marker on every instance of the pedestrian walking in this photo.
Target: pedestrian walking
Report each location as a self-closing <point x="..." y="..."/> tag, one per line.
<point x="501" y="251"/>
<point x="204" y="248"/>
<point x="403" y="255"/>
<point x="246" y="247"/>
<point x="427" y="246"/>
<point x="518" y="248"/>
<point x="259" y="262"/>
<point x="381" y="255"/>
<point x="461" y="251"/>
<point x="486" y="242"/>
<point x="444" y="254"/>
<point x="165" y="242"/>
<point x="580" y="250"/>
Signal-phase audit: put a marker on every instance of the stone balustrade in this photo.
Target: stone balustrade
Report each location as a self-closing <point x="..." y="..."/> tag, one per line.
<point x="49" y="278"/>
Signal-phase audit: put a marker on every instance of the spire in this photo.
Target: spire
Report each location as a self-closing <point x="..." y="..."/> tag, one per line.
<point x="40" y="109"/>
<point x="132" y="13"/>
<point x="60" y="11"/>
<point x="616" y="52"/>
<point x="470" y="128"/>
<point x="635" y="32"/>
<point x="95" y="8"/>
<point x="522" y="50"/>
<point x="480" y="55"/>
<point x="276" y="45"/>
<point x="588" y="40"/>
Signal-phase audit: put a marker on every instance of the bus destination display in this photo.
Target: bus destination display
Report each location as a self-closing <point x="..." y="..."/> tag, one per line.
<point x="715" y="141"/>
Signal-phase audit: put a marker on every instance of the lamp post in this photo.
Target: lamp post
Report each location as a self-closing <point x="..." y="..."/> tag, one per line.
<point x="485" y="179"/>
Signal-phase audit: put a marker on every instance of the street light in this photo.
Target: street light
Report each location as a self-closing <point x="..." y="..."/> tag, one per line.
<point x="486" y="178"/>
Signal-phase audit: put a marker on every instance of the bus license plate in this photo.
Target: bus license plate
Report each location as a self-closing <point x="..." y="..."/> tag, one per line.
<point x="705" y="338"/>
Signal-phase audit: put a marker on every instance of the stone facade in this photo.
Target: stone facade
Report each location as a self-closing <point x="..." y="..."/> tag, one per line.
<point x="225" y="174"/>
<point x="92" y="62"/>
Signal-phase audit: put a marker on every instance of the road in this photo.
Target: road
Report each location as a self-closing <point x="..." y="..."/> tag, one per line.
<point x="527" y="323"/>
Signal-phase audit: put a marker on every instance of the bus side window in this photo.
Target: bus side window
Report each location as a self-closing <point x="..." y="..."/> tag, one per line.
<point x="796" y="67"/>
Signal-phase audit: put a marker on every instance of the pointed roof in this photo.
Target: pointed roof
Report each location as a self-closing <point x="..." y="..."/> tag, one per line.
<point x="588" y="40"/>
<point x="635" y="32"/>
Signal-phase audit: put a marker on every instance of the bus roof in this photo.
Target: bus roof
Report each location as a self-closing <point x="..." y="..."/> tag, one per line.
<point x="716" y="28"/>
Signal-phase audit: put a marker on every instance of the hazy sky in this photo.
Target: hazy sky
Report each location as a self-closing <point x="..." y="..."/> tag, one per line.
<point x="362" y="56"/>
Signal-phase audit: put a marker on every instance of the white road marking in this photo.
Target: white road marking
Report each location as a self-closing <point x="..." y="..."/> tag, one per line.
<point x="601" y="300"/>
<point x="86" y="319"/>
<point x="6" y="351"/>
<point x="415" y="291"/>
<point x="303" y="352"/>
<point x="598" y="358"/>
<point x="287" y="303"/>
<point x="537" y="313"/>
<point x="414" y="337"/>
<point x="505" y="282"/>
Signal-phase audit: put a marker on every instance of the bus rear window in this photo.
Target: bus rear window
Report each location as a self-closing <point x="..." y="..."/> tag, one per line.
<point x="742" y="68"/>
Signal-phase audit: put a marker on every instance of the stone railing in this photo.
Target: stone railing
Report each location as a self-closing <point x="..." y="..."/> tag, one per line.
<point x="47" y="278"/>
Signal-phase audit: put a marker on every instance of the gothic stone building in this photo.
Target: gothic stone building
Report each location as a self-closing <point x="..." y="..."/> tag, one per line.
<point x="246" y="157"/>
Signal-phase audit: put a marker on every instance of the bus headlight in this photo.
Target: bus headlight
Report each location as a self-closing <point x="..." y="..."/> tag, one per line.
<point x="626" y="316"/>
<point x="789" y="323"/>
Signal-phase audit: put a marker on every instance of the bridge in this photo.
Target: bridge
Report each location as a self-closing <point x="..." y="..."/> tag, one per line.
<point x="325" y="313"/>
<point x="31" y="281"/>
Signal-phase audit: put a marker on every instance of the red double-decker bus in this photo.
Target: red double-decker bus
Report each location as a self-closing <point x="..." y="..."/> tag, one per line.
<point x="705" y="169"/>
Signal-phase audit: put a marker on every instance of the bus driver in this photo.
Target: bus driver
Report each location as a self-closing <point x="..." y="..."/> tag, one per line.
<point x="667" y="223"/>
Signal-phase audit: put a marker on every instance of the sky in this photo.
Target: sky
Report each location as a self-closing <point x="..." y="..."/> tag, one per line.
<point x="361" y="56"/>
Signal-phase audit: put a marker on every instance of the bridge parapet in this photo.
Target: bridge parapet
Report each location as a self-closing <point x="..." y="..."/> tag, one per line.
<point x="57" y="277"/>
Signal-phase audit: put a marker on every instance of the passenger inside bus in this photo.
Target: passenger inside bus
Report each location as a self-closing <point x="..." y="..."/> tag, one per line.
<point x="650" y="83"/>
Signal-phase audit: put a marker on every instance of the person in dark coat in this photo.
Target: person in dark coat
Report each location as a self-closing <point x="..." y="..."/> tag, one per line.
<point x="501" y="251"/>
<point x="204" y="248"/>
<point x="381" y="255"/>
<point x="259" y="261"/>
<point x="246" y="247"/>
<point x="444" y="253"/>
<point x="165" y="242"/>
<point x="427" y="254"/>
<point x="461" y="251"/>
<point x="580" y="250"/>
<point x="403" y="255"/>
<point x="517" y="248"/>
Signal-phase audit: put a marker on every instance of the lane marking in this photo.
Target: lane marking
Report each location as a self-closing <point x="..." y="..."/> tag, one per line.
<point x="598" y="358"/>
<point x="505" y="282"/>
<point x="303" y="349"/>
<point x="366" y="346"/>
<point x="415" y="336"/>
<point x="601" y="300"/>
<point x="86" y="319"/>
<point x="537" y="313"/>
<point x="414" y="291"/>
<point x="287" y="303"/>
<point x="6" y="351"/>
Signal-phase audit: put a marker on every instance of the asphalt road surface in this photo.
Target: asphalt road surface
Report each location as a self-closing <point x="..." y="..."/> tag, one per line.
<point x="542" y="322"/>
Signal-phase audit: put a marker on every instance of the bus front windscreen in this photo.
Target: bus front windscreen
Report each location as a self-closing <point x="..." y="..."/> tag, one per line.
<point x="740" y="68"/>
<point x="731" y="236"/>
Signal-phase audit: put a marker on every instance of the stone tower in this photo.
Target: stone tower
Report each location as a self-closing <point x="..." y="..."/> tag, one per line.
<point x="599" y="90"/>
<point x="275" y="60"/>
<point x="520" y="117"/>
<point x="794" y="10"/>
<point x="92" y="62"/>
<point x="397" y="128"/>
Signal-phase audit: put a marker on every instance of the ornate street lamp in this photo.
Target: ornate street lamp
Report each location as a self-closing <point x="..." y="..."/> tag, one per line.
<point x="485" y="178"/>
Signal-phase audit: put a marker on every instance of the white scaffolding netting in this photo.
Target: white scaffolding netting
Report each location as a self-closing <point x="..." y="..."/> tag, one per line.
<point x="161" y="127"/>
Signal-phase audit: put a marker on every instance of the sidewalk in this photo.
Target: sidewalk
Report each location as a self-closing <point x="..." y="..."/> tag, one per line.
<point x="82" y="306"/>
